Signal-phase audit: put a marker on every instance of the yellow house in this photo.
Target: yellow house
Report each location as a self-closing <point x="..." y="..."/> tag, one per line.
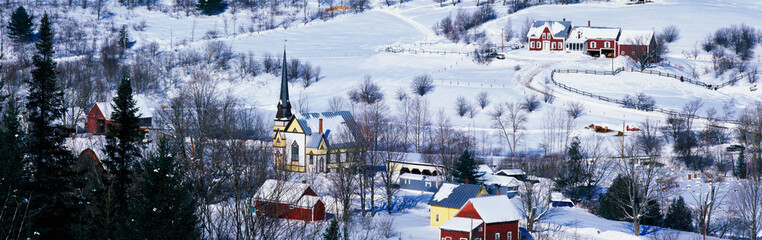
<point x="450" y="198"/>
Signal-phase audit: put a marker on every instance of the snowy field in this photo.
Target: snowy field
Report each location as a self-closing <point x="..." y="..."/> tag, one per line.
<point x="349" y="47"/>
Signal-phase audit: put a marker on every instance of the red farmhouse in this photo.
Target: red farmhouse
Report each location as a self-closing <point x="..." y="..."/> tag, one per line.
<point x="289" y="200"/>
<point x="484" y="218"/>
<point x="99" y="118"/>
<point x="632" y="42"/>
<point x="595" y="41"/>
<point x="548" y="35"/>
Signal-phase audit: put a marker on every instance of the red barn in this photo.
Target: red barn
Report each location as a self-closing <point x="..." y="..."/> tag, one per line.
<point x="595" y="41"/>
<point x="548" y="35"/>
<point x="632" y="42"/>
<point x="485" y="218"/>
<point x="99" y="118"/>
<point x="289" y="200"/>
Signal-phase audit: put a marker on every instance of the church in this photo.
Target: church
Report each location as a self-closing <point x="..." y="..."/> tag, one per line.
<point x="311" y="142"/>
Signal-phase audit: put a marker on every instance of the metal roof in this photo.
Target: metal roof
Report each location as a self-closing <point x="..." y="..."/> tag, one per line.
<point x="458" y="196"/>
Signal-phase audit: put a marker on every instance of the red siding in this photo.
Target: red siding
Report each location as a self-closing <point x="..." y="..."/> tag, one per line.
<point x="601" y="44"/>
<point x="92" y="121"/>
<point x="538" y="42"/>
<point x="455" y="235"/>
<point x="503" y="228"/>
<point x="627" y="50"/>
<point x="289" y="211"/>
<point x="468" y="211"/>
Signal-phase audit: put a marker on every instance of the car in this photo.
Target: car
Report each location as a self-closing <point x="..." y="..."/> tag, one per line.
<point x="500" y="56"/>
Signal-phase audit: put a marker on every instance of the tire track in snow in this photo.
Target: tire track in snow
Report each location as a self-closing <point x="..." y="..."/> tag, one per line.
<point x="428" y="34"/>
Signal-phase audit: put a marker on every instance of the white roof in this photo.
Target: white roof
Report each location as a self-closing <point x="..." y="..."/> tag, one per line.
<point x="558" y="197"/>
<point x="557" y="28"/>
<point x="307" y="201"/>
<point x="419" y="177"/>
<point x="500" y="180"/>
<point x="485" y="169"/>
<point x="461" y="224"/>
<point x="630" y="37"/>
<point x="511" y="172"/>
<point x="281" y="191"/>
<point x="141" y="103"/>
<point x="582" y="34"/>
<point x="497" y="208"/>
<point x="444" y="191"/>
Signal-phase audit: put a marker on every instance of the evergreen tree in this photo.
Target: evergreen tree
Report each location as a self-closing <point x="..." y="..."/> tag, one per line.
<point x="612" y="204"/>
<point x="332" y="232"/>
<point x="51" y="163"/>
<point x="20" y="28"/>
<point x="210" y="7"/>
<point x="165" y="209"/>
<point x="466" y="170"/>
<point x="653" y="214"/>
<point x="740" y="170"/>
<point x="574" y="175"/>
<point x="679" y="216"/>
<point x="124" y="38"/>
<point x="14" y="178"/>
<point x="124" y="140"/>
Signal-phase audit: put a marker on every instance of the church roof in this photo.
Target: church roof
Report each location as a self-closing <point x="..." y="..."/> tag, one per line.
<point x="333" y="124"/>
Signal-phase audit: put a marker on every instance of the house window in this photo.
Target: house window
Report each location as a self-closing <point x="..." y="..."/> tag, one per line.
<point x="508" y="236"/>
<point x="531" y="44"/>
<point x="608" y="44"/>
<point x="437" y="218"/>
<point x="592" y="44"/>
<point x="497" y="236"/>
<point x="553" y="45"/>
<point x="428" y="184"/>
<point x="101" y="126"/>
<point x="622" y="53"/>
<point x="633" y="53"/>
<point x="295" y="152"/>
<point x="480" y="229"/>
<point x="463" y="238"/>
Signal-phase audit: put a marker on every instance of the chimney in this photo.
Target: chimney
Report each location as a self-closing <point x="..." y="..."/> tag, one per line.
<point x="320" y="127"/>
<point x="588" y="23"/>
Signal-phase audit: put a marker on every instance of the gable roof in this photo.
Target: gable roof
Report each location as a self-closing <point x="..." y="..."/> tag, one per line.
<point x="461" y="224"/>
<point x="452" y="195"/>
<point x="510" y="172"/>
<point x="281" y="191"/>
<point x="495" y="209"/>
<point x="558" y="29"/>
<point x="500" y="180"/>
<point x="630" y="37"/>
<point x="582" y="34"/>
<point x="335" y="122"/>
<point x="143" y="110"/>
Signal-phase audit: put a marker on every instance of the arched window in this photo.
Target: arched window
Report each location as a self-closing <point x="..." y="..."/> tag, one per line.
<point x="294" y="152"/>
<point x="312" y="161"/>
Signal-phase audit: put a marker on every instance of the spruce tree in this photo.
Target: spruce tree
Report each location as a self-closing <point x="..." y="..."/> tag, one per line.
<point x="466" y="170"/>
<point x="679" y="216"/>
<point x="740" y="170"/>
<point x="124" y="141"/>
<point x="14" y="178"/>
<point x="124" y="38"/>
<point x="210" y="7"/>
<point x="653" y="214"/>
<point x="165" y="209"/>
<point x="20" y="28"/>
<point x="612" y="204"/>
<point x="574" y="175"/>
<point x="332" y="232"/>
<point x="51" y="163"/>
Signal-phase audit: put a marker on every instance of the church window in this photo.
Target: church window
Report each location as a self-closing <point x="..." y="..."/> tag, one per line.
<point x="295" y="152"/>
<point x="312" y="161"/>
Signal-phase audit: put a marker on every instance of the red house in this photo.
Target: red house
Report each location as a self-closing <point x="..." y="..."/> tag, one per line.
<point x="289" y="200"/>
<point x="595" y="41"/>
<point x="99" y="118"/>
<point x="548" y="35"/>
<point x="632" y="42"/>
<point x="484" y="218"/>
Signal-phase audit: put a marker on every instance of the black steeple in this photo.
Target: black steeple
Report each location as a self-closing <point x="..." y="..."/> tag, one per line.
<point x="284" y="105"/>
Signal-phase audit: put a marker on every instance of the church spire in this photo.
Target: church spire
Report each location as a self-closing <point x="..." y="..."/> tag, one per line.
<point x="284" y="105"/>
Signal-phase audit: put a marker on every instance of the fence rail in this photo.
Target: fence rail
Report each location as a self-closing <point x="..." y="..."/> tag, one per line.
<point x="614" y="100"/>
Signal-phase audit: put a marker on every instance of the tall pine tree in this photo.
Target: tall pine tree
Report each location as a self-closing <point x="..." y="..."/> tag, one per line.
<point x="52" y="164"/>
<point x="124" y="141"/>
<point x="740" y="170"/>
<point x="165" y="209"/>
<point x="20" y="28"/>
<point x="574" y="174"/>
<point x="466" y="170"/>
<point x="14" y="177"/>
<point x="679" y="216"/>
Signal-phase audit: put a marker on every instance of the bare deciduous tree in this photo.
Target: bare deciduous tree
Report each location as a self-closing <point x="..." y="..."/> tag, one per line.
<point x="422" y="84"/>
<point x="483" y="99"/>
<point x="510" y="119"/>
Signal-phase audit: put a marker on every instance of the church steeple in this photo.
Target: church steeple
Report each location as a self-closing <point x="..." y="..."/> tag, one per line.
<point x="284" y="105"/>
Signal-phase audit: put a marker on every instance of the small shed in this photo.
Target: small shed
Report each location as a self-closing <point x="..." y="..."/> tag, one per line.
<point x="418" y="182"/>
<point x="289" y="200"/>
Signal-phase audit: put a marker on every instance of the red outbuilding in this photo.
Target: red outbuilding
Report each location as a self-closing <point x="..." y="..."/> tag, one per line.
<point x="548" y="35"/>
<point x="99" y="118"/>
<point x="289" y="200"/>
<point x="485" y="218"/>
<point x="633" y="42"/>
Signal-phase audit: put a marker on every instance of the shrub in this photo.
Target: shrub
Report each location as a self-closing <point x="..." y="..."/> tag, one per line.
<point x="670" y="34"/>
<point x="366" y="92"/>
<point x="531" y="103"/>
<point x="422" y="84"/>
